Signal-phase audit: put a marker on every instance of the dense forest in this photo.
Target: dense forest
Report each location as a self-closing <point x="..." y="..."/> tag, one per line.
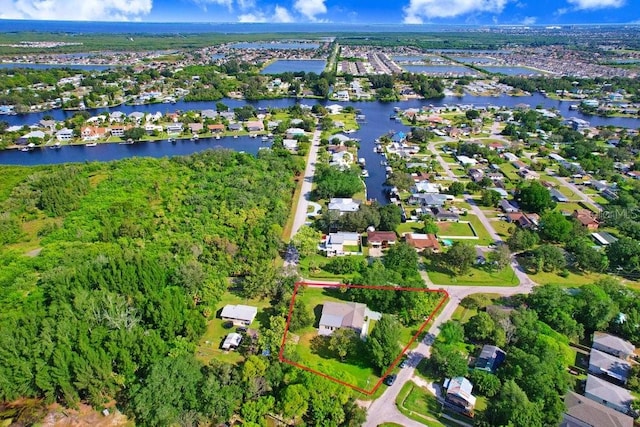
<point x="109" y="272"/>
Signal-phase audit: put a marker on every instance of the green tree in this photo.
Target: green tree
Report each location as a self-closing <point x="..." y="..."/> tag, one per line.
<point x="548" y="258"/>
<point x="480" y="328"/>
<point x="460" y="257"/>
<point x="343" y="342"/>
<point x="430" y="226"/>
<point x="400" y="180"/>
<point x="382" y="342"/>
<point x="534" y="198"/>
<point x="447" y="361"/>
<point x="513" y="408"/>
<point x="456" y="188"/>
<point x="487" y="384"/>
<point x="594" y="309"/>
<point x="522" y="240"/>
<point x="301" y="317"/>
<point x="451" y="332"/>
<point x="390" y="217"/>
<point x="555" y="227"/>
<point x="490" y="198"/>
<point x="306" y="240"/>
<point x="294" y="401"/>
<point x="401" y="258"/>
<point x="135" y="133"/>
<point x="624" y="255"/>
<point x="500" y="257"/>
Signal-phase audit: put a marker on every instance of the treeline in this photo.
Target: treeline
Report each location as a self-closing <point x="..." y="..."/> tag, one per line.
<point x="135" y="255"/>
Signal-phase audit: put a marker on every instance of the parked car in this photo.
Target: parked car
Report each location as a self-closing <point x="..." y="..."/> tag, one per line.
<point x="404" y="363"/>
<point x="390" y="379"/>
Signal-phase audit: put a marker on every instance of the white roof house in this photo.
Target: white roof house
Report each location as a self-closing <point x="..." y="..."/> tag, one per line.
<point x="344" y="205"/>
<point x="465" y="160"/>
<point x="608" y="394"/>
<point x="239" y="314"/>
<point x="335" y="243"/>
<point x="426" y="187"/>
<point x="612" y="344"/>
<point x="604" y="364"/>
<point x="232" y="340"/>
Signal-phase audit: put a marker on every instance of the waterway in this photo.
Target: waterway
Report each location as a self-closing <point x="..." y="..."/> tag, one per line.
<point x="377" y="123"/>
<point x="295" y="65"/>
<point x="83" y="67"/>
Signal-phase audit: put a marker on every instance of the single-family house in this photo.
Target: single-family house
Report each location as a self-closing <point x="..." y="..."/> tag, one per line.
<point x="24" y="139"/>
<point x="208" y="114"/>
<point x="421" y="242"/>
<point x="528" y="174"/>
<point x="442" y="214"/>
<point x="608" y="394"/>
<point x="381" y="239"/>
<point x="228" y="115"/>
<point x="232" y="341"/>
<point x="91" y="133"/>
<point x="501" y="191"/>
<point x="428" y="200"/>
<point x="584" y="412"/>
<point x="342" y="95"/>
<point x="607" y="365"/>
<point x="335" y="244"/>
<point x="586" y="218"/>
<point x="174" y="127"/>
<point x="458" y="393"/>
<point x="507" y="207"/>
<point x="476" y="175"/>
<point x="425" y="187"/>
<point x="294" y="132"/>
<point x="603" y="238"/>
<point x="196" y="127"/>
<point x="612" y="344"/>
<point x="48" y="125"/>
<point x="117" y="131"/>
<point x="136" y="116"/>
<point x="241" y="315"/>
<point x="216" y="128"/>
<point x="341" y="159"/>
<point x="340" y="139"/>
<point x="491" y="357"/>
<point x="466" y="161"/>
<point x="254" y="126"/>
<point x="235" y="127"/>
<point x="343" y="205"/>
<point x="334" y="109"/>
<point x="558" y="196"/>
<point x="352" y="315"/>
<point x="116" y="116"/>
<point x="290" y="144"/>
<point x="510" y="157"/>
<point x="64" y="134"/>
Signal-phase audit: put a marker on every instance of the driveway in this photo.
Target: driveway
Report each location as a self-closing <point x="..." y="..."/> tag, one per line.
<point x="583" y="197"/>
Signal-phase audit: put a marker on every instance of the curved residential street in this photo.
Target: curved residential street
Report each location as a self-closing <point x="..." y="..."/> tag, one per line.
<point x="305" y="195"/>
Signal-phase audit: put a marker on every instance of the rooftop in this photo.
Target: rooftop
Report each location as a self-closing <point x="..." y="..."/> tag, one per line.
<point x="592" y="413"/>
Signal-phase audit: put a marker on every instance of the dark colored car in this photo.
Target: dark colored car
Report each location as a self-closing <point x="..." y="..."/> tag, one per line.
<point x="390" y="379"/>
<point x="404" y="363"/>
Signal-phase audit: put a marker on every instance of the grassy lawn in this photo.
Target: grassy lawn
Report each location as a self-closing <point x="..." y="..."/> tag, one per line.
<point x="568" y="207"/>
<point x="483" y="235"/>
<point x="509" y="171"/>
<point x="502" y="228"/>
<point x="447" y="228"/>
<point x="476" y="277"/>
<point x="209" y="346"/>
<point x="311" y="268"/>
<point x="314" y="353"/>
<point x="462" y="314"/>
<point x="410" y="227"/>
<point x="419" y="405"/>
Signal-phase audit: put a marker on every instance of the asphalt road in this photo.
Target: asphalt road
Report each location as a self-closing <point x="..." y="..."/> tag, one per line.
<point x="583" y="197"/>
<point x="305" y="195"/>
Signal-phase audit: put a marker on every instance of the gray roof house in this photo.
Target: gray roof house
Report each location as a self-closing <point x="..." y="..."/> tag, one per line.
<point x="612" y="345"/>
<point x="335" y="243"/>
<point x="491" y="357"/>
<point x="343" y="205"/>
<point x="336" y="315"/>
<point x="604" y="364"/>
<point x="608" y="394"/>
<point x="231" y="341"/>
<point x="239" y="314"/>
<point x="583" y="412"/>
<point x="208" y="114"/>
<point x="429" y="200"/>
<point x="558" y="196"/>
<point x="507" y="207"/>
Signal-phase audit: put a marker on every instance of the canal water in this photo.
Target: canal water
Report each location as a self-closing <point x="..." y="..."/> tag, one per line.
<point x="377" y="123"/>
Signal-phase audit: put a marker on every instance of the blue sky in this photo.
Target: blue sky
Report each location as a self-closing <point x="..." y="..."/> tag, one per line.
<point x="527" y="12"/>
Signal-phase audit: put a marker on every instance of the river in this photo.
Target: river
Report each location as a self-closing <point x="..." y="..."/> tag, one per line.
<point x="377" y="123"/>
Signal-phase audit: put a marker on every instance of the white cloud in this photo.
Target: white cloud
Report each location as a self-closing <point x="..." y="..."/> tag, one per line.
<point x="310" y="8"/>
<point x="75" y="10"/>
<point x="529" y="20"/>
<point x="419" y="10"/>
<point x="203" y="3"/>
<point x="281" y="14"/>
<point x="596" y="4"/>
<point x="252" y="17"/>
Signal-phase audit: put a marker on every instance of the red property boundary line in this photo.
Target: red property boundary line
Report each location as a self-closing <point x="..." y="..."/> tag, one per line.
<point x="445" y="296"/>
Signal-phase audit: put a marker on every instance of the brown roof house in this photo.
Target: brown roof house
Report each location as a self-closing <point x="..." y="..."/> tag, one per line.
<point x="379" y="240"/>
<point x="420" y="242"/>
<point x="336" y="315"/>
<point x="586" y="218"/>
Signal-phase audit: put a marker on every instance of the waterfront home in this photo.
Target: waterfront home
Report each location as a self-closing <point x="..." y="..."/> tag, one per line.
<point x="341" y="160"/>
<point x="217" y="128"/>
<point x="428" y="200"/>
<point x="195" y="127"/>
<point x="334" y="109"/>
<point x="136" y="116"/>
<point x="425" y="187"/>
<point x="342" y="95"/>
<point x="92" y="133"/>
<point x="294" y="132"/>
<point x="254" y="126"/>
<point x="343" y="205"/>
<point x="116" y="116"/>
<point x="290" y="144"/>
<point x="36" y="134"/>
<point x="174" y="128"/>
<point x="150" y="128"/>
<point x="229" y="115"/>
<point x="208" y="114"/>
<point x="64" y="134"/>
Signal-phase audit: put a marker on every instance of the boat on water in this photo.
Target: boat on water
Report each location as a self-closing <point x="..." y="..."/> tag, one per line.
<point x="172" y="140"/>
<point x="252" y="135"/>
<point x="91" y="144"/>
<point x="365" y="173"/>
<point x="217" y="136"/>
<point x="362" y="161"/>
<point x="56" y="145"/>
<point x="29" y="147"/>
<point x="195" y="137"/>
<point x="573" y="107"/>
<point x="235" y="136"/>
<point x="269" y="135"/>
<point x="265" y="139"/>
